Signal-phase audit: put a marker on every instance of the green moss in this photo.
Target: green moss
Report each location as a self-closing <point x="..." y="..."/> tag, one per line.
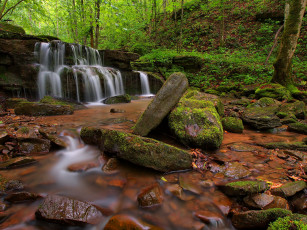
<point x="287" y="145"/>
<point x="24" y="130"/>
<point x="281" y="114"/>
<point x="287" y="223"/>
<point x="233" y="124"/>
<point x="275" y="91"/>
<point x="298" y="127"/>
<point x="11" y="28"/>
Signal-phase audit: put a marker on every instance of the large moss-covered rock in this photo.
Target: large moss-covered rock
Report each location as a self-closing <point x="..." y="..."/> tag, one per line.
<point x="298" y="127"/>
<point x="118" y="99"/>
<point x="233" y="124"/>
<point x="41" y="109"/>
<point x="138" y="150"/>
<point x="258" y="219"/>
<point x="243" y="188"/>
<point x="297" y="108"/>
<point x="11" y="28"/>
<point x="12" y="103"/>
<point x="262" y="114"/>
<point x="196" y="123"/>
<point x="165" y="100"/>
<point x="275" y="91"/>
<point x="61" y="101"/>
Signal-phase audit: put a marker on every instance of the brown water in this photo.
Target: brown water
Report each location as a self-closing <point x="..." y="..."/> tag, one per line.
<point x="117" y="193"/>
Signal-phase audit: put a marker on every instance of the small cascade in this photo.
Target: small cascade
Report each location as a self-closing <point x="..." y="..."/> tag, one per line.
<point x="144" y="83"/>
<point x="83" y="75"/>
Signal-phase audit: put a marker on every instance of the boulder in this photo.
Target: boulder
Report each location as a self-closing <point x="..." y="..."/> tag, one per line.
<point x="41" y="109"/>
<point x="64" y="210"/>
<point x="150" y="196"/>
<point x="117" y="99"/>
<point x="299" y="203"/>
<point x="138" y="150"/>
<point x="12" y="103"/>
<point x="289" y="189"/>
<point x="262" y="114"/>
<point x="243" y="188"/>
<point x="232" y="124"/>
<point x="275" y="91"/>
<point x="165" y="100"/>
<point x="298" y="127"/>
<point x="33" y="145"/>
<point x="258" y="219"/>
<point x="196" y="123"/>
<point x="258" y="201"/>
<point x="297" y="108"/>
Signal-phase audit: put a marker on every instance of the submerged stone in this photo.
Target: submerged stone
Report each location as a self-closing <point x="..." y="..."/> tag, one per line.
<point x="19" y="197"/>
<point x="142" y="151"/>
<point x="236" y="170"/>
<point x="64" y="210"/>
<point x="150" y="196"/>
<point x="167" y="97"/>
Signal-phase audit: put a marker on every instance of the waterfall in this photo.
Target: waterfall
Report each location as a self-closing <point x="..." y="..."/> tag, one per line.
<point x="92" y="82"/>
<point x="144" y="83"/>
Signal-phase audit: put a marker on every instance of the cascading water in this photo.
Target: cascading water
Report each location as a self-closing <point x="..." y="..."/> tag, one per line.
<point x="144" y="83"/>
<point x="86" y="73"/>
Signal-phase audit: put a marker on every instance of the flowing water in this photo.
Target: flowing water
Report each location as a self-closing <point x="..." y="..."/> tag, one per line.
<point x="117" y="192"/>
<point x="91" y="81"/>
<point x="144" y="84"/>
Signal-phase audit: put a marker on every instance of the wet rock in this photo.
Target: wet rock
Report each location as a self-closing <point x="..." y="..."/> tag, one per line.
<point x="261" y="115"/>
<point x="19" y="197"/>
<point x="241" y="147"/>
<point x="138" y="150"/>
<point x="117" y="99"/>
<point x="82" y="167"/>
<point x="278" y="202"/>
<point x="196" y="123"/>
<point x="12" y="103"/>
<point x="289" y="189"/>
<point x="123" y="221"/>
<point x="165" y="100"/>
<point x="298" y="127"/>
<point x="41" y="109"/>
<point x="232" y="124"/>
<point x="25" y="133"/>
<point x="49" y="100"/>
<point x="297" y="108"/>
<point x="300" y="146"/>
<point x="295" y="221"/>
<point x="258" y="201"/>
<point x="3" y="136"/>
<point x="111" y="166"/>
<point x="64" y="210"/>
<point x="297" y="154"/>
<point x="299" y="203"/>
<point x="150" y="196"/>
<point x="55" y="140"/>
<point x="190" y="183"/>
<point x="13" y="185"/>
<point x="176" y="190"/>
<point x="117" y="110"/>
<point x="236" y="170"/>
<point x="211" y="218"/>
<point x="17" y="162"/>
<point x="34" y="145"/>
<point x="275" y="91"/>
<point x="243" y="188"/>
<point x="257" y="219"/>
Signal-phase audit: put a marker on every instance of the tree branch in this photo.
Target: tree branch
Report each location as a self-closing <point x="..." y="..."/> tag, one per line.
<point x="11" y="8"/>
<point x="3" y="7"/>
<point x="275" y="43"/>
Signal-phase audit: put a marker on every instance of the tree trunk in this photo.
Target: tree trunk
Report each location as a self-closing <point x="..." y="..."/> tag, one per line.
<point x="294" y="12"/>
<point x="97" y="24"/>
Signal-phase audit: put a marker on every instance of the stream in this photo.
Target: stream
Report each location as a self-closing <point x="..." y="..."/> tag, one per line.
<point x="76" y="172"/>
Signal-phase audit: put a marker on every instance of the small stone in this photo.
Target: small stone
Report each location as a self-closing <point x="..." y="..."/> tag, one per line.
<point x="241" y="147"/>
<point x="236" y="170"/>
<point x="20" y="197"/>
<point x="14" y="185"/>
<point x="150" y="196"/>
<point x="117" y="110"/>
<point x="298" y="154"/>
<point x="289" y="189"/>
<point x="111" y="166"/>
<point x="282" y="155"/>
<point x="211" y="218"/>
<point x="259" y="200"/>
<point x="278" y="202"/>
<point x="175" y="189"/>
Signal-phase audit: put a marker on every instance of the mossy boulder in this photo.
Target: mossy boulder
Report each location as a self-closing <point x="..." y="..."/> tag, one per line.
<point x="288" y="223"/>
<point x="290" y="189"/>
<point x="164" y="101"/>
<point x="41" y="109"/>
<point x="297" y="108"/>
<point x="244" y="188"/>
<point x="12" y="103"/>
<point x="142" y="151"/>
<point x="298" y="127"/>
<point x="12" y="28"/>
<point x="275" y="91"/>
<point x="196" y="123"/>
<point x="233" y="124"/>
<point x="258" y="219"/>
<point x="61" y="101"/>
<point x="117" y="99"/>
<point x="262" y="114"/>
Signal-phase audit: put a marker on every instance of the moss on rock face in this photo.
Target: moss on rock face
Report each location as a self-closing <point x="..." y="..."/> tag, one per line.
<point x="11" y="28"/>
<point x="275" y="91"/>
<point x="12" y="103"/>
<point x="243" y="188"/>
<point x="118" y="99"/>
<point x="288" y="223"/>
<point x="142" y="151"/>
<point x="297" y="108"/>
<point x="298" y="127"/>
<point x="196" y="123"/>
<point x="233" y="124"/>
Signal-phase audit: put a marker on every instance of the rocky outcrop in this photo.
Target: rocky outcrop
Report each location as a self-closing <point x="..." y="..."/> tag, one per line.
<point x="165" y="100"/>
<point x="138" y="150"/>
<point x="196" y="123"/>
<point x="64" y="210"/>
<point x="118" y="59"/>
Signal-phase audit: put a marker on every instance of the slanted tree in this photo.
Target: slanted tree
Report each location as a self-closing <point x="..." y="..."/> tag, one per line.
<point x="294" y="12"/>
